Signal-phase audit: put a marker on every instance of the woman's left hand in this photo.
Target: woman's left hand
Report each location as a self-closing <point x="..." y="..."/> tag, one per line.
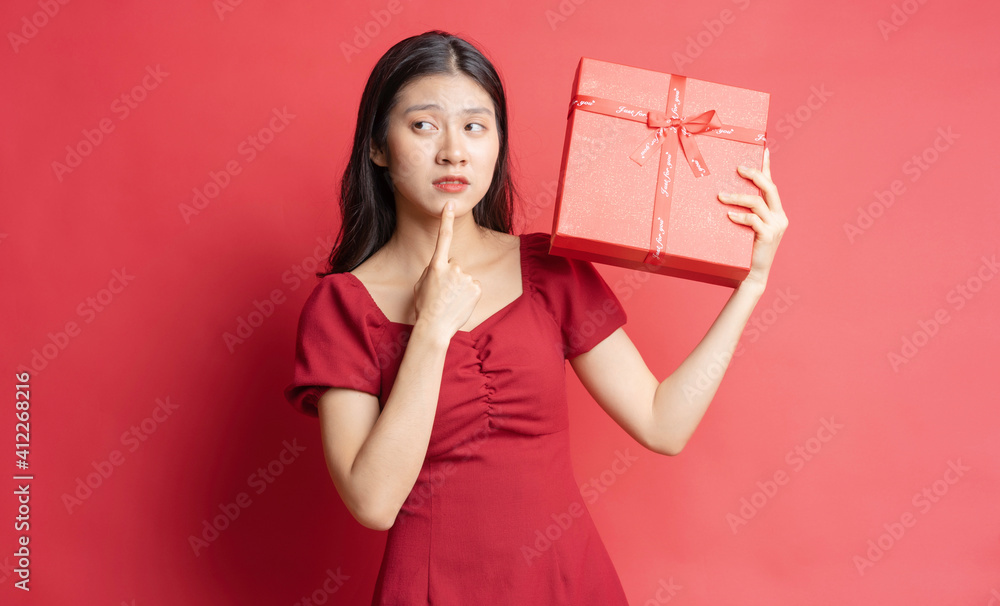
<point x="768" y="219"/>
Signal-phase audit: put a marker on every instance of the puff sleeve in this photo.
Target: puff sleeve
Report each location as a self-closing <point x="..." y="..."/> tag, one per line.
<point x="581" y="302"/>
<point x="336" y="344"/>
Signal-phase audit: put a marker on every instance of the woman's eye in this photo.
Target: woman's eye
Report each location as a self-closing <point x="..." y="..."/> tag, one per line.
<point x="481" y="127"/>
<point x="420" y="122"/>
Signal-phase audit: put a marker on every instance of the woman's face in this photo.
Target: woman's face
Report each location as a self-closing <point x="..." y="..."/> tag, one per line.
<point x="441" y="125"/>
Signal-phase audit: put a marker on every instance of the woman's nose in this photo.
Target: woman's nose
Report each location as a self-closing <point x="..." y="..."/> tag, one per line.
<point x="452" y="146"/>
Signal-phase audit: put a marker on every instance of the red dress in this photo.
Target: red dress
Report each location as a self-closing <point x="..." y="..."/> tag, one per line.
<point x="496" y="515"/>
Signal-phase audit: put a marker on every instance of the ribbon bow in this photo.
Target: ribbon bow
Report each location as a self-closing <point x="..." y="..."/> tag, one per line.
<point x="684" y="127"/>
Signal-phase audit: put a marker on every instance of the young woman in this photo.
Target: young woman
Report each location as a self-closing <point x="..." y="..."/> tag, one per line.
<point x="433" y="352"/>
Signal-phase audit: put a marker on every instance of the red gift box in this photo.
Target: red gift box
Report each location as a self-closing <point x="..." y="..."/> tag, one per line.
<point x="645" y="157"/>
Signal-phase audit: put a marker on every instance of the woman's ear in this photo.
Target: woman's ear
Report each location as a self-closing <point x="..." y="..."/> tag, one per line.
<point x="376" y="155"/>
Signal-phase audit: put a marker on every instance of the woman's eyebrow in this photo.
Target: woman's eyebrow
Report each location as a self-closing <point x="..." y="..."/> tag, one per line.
<point x="467" y="111"/>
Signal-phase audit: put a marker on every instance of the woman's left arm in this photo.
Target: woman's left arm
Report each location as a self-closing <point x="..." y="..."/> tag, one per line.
<point x="662" y="416"/>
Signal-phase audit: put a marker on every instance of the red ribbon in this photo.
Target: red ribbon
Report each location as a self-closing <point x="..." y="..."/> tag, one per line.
<point x="706" y="123"/>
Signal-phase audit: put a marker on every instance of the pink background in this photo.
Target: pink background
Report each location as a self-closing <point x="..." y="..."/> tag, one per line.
<point x="850" y="108"/>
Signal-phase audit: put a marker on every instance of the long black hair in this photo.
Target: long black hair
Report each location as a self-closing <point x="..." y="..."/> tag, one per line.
<point x="367" y="202"/>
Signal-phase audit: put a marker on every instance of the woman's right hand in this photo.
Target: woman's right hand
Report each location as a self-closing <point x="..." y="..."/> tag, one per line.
<point x="444" y="297"/>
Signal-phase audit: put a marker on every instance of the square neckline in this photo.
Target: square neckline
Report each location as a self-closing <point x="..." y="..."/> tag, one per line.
<point x="503" y="311"/>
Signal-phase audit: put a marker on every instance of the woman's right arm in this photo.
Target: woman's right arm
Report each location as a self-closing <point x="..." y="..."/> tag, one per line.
<point x="374" y="459"/>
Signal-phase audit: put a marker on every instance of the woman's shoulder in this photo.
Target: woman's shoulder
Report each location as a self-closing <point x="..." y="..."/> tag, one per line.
<point x="536" y="240"/>
<point x="334" y="285"/>
<point x="560" y="277"/>
<point x="536" y="245"/>
<point x="337" y="298"/>
<point x="547" y="265"/>
<point x="575" y="295"/>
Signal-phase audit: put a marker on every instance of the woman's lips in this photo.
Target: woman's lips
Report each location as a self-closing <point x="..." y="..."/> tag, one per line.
<point x="452" y="187"/>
